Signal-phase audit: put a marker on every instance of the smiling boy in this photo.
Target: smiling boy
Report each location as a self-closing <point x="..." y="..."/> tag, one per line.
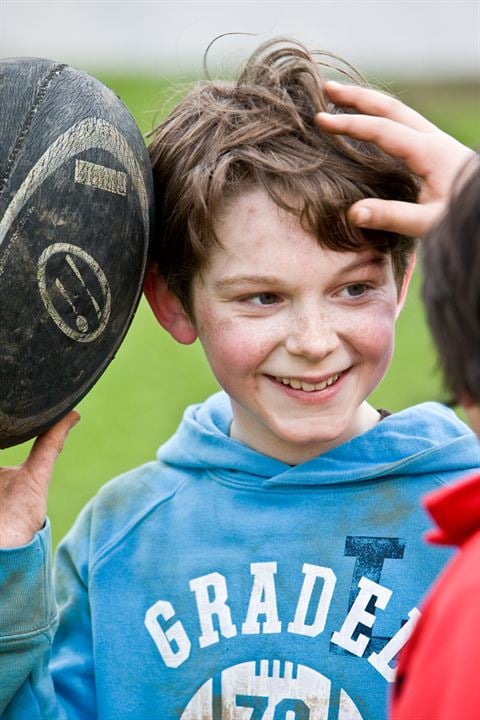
<point x="296" y="334"/>
<point x="268" y="564"/>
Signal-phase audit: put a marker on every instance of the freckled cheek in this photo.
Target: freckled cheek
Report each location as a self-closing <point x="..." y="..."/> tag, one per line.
<point x="232" y="345"/>
<point x="377" y="340"/>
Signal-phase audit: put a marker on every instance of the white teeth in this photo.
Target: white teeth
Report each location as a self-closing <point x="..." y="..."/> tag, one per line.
<point x="306" y="386"/>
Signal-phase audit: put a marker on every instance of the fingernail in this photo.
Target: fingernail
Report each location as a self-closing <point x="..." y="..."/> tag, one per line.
<point x="363" y="216"/>
<point x="75" y="418"/>
<point x="323" y="115"/>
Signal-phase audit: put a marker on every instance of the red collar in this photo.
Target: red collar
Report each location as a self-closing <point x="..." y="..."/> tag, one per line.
<point x="456" y="511"/>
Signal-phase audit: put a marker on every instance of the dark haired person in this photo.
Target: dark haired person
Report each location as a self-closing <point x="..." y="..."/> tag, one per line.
<point x="437" y="676"/>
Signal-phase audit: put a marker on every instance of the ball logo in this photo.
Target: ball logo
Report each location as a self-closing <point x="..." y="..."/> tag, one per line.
<point x="87" y="134"/>
<point x="269" y="690"/>
<point x="75" y="291"/>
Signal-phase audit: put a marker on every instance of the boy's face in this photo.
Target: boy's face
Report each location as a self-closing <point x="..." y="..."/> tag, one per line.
<point x="297" y="335"/>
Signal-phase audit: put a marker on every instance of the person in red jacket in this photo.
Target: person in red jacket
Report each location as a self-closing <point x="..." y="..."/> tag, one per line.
<point x="437" y="673"/>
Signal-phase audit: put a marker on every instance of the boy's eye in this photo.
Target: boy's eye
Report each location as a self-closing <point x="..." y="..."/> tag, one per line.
<point x="264" y="299"/>
<point x="356" y="290"/>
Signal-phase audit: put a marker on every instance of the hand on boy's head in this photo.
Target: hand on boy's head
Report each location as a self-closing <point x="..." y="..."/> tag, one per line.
<point x="24" y="488"/>
<point x="431" y="154"/>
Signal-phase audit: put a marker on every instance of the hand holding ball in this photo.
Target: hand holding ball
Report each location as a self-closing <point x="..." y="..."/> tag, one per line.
<point x="75" y="218"/>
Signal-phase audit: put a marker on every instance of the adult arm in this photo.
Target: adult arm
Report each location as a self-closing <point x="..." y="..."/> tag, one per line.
<point x="435" y="157"/>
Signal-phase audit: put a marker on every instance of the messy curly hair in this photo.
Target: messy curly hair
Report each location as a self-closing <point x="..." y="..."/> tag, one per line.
<point x="228" y="137"/>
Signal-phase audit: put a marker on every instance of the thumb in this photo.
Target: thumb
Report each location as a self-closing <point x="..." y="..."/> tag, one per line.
<point x="47" y="447"/>
<point x="395" y="216"/>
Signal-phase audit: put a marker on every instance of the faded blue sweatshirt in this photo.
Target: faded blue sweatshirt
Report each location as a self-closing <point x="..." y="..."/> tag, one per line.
<point x="216" y="583"/>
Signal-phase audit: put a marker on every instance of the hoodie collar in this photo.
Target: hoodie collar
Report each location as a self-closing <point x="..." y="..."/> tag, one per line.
<point x="422" y="439"/>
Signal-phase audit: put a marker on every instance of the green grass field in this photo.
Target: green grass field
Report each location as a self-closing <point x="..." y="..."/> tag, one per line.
<point x="139" y="400"/>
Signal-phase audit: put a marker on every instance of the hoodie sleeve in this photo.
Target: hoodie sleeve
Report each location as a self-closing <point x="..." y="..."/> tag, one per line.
<point x="28" y="618"/>
<point x="45" y="672"/>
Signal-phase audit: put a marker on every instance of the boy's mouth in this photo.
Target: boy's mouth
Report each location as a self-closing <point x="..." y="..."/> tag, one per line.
<point x="298" y="384"/>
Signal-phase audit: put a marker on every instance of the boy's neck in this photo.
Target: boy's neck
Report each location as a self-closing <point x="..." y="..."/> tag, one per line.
<point x="296" y="454"/>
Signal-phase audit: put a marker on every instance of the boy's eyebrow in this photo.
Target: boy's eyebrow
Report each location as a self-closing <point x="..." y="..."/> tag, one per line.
<point x="378" y="260"/>
<point x="245" y="280"/>
<point x="375" y="260"/>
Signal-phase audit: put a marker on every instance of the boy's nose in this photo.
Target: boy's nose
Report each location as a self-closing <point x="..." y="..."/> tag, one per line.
<point x="312" y="337"/>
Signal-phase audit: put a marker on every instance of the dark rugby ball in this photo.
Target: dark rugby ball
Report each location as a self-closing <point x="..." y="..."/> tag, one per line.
<point x="75" y="218"/>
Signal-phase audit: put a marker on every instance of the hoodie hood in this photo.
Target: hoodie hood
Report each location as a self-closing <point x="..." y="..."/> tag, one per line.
<point x="424" y="439"/>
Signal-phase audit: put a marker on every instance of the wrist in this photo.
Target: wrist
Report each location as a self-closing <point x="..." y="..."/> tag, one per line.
<point x="12" y="537"/>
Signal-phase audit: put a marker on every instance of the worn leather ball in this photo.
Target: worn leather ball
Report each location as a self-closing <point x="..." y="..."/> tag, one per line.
<point x="76" y="204"/>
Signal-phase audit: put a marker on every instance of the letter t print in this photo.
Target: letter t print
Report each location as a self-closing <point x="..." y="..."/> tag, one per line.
<point x="370" y="553"/>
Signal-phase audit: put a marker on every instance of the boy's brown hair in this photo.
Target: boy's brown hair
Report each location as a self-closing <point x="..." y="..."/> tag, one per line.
<point x="224" y="138"/>
<point x="451" y="288"/>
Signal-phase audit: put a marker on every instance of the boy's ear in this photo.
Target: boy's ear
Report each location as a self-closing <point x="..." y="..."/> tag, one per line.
<point x="168" y="309"/>
<point x="405" y="284"/>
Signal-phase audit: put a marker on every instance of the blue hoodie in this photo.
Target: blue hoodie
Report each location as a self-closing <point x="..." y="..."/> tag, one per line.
<point x="220" y="584"/>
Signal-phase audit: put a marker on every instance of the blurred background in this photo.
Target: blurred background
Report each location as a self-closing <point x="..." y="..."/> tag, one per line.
<point x="427" y="52"/>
